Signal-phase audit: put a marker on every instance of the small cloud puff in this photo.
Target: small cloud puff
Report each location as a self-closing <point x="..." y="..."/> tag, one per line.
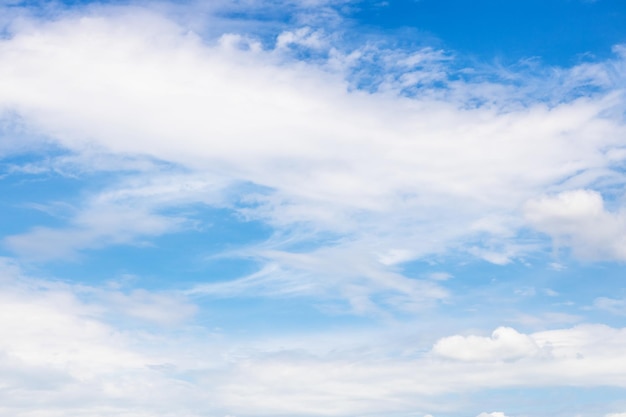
<point x="494" y="414"/>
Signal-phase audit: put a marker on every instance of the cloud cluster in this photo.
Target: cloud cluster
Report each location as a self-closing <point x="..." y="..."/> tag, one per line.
<point x="154" y="89"/>
<point x="359" y="160"/>
<point x="391" y="175"/>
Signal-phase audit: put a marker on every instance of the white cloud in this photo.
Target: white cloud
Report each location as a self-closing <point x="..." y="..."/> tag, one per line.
<point x="61" y="356"/>
<point x="380" y="171"/>
<point x="334" y="385"/>
<point x="93" y="229"/>
<point x="578" y="219"/>
<point x="331" y="274"/>
<point x="46" y="325"/>
<point x="301" y="37"/>
<point x="330" y="156"/>
<point x="440" y="276"/>
<point x="128" y="213"/>
<point x="393" y="176"/>
<point x="505" y="343"/>
<point x="494" y="414"/>
<point x="546" y="320"/>
<point x="165" y="309"/>
<point x="613" y="305"/>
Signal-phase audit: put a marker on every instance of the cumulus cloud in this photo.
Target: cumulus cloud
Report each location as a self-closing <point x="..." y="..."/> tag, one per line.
<point x="505" y="343"/>
<point x="508" y="344"/>
<point x="578" y="219"/>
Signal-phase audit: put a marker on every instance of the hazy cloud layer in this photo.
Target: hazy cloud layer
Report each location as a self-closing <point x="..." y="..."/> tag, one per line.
<point x="68" y="354"/>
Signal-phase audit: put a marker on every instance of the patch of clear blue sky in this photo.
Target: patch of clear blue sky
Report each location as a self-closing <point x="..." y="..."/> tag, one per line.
<point x="559" y="32"/>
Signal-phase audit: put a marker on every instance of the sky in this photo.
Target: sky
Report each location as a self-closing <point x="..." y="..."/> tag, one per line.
<point x="313" y="208"/>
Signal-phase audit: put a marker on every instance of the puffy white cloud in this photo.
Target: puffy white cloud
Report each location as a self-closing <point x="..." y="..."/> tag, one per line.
<point x="505" y="343"/>
<point x="578" y="219"/>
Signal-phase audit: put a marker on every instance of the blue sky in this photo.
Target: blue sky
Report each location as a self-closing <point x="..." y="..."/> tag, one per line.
<point x="313" y="208"/>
